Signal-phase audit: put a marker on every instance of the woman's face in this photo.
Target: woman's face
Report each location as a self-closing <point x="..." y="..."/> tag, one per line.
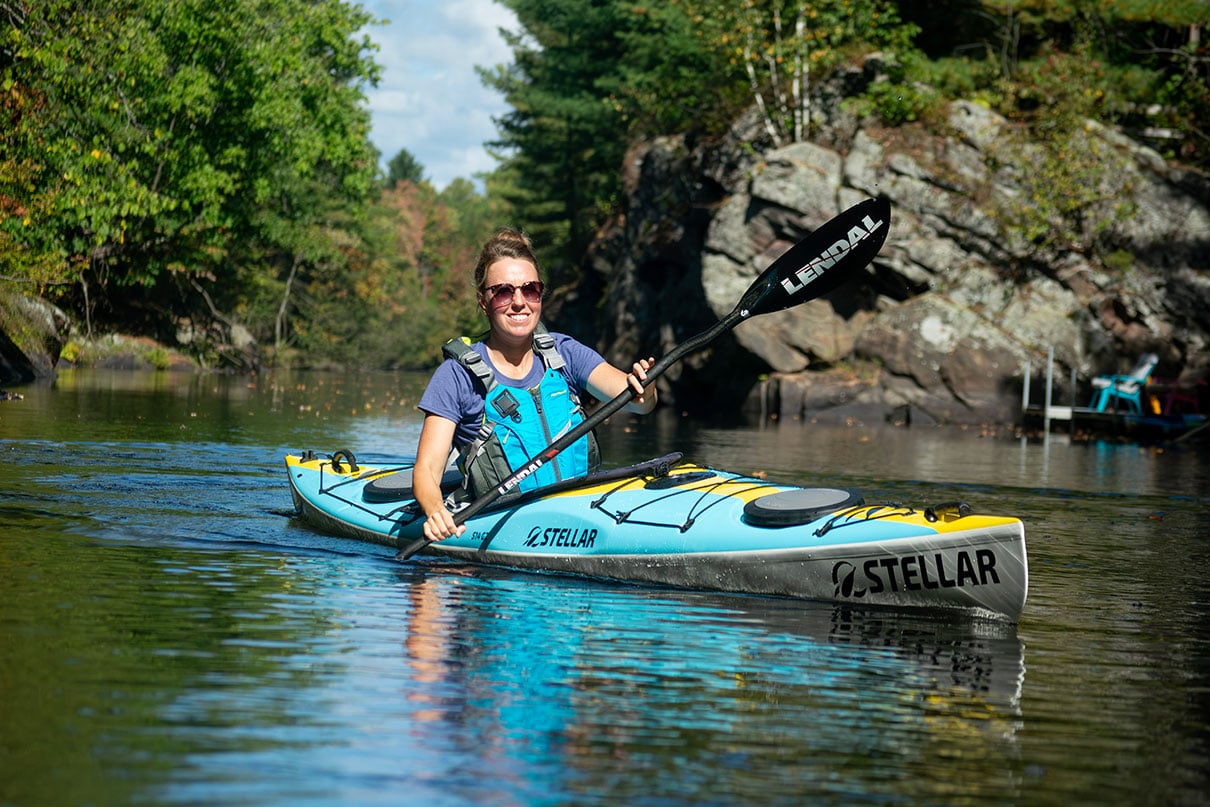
<point x="514" y="314"/>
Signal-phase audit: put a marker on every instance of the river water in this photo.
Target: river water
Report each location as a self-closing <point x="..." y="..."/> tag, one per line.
<point x="170" y="635"/>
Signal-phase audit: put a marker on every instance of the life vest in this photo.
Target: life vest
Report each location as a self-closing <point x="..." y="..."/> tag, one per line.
<point x="519" y="423"/>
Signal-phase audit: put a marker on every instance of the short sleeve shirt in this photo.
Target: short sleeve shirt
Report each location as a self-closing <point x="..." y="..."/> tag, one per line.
<point x="453" y="393"/>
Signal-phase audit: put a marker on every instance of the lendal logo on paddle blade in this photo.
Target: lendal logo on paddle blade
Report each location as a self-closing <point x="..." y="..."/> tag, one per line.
<point x="828" y="258"/>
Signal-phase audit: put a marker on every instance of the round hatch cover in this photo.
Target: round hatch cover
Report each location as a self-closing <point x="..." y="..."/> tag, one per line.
<point x="800" y="506"/>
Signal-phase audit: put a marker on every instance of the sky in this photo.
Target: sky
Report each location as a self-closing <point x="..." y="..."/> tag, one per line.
<point x="430" y="100"/>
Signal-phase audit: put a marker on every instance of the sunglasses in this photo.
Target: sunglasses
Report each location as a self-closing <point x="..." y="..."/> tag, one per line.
<point x="501" y="295"/>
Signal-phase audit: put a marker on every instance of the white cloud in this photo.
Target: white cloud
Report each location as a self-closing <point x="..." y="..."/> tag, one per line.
<point x="430" y="100"/>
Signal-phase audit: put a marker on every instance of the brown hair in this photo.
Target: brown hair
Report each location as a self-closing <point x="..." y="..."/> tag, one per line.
<point x="504" y="243"/>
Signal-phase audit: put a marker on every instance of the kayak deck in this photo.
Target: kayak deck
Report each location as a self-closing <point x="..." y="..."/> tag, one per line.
<point x="674" y="523"/>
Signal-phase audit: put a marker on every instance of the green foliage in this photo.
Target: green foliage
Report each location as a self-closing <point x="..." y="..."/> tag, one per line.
<point x="153" y="141"/>
<point x="403" y="166"/>
<point x="199" y="165"/>
<point x="131" y="352"/>
<point x="897" y="104"/>
<point x="1052" y="66"/>
<point x="1118" y="261"/>
<point x="564" y="138"/>
<point x="901" y="97"/>
<point x="590" y="76"/>
<point x="1138" y="64"/>
<point x="668" y="79"/>
<point x="1065" y="196"/>
<point x="406" y="286"/>
<point x="1062" y="201"/>
<point x="778" y="49"/>
<point x="953" y="77"/>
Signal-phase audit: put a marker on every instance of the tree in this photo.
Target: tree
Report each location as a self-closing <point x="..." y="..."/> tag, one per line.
<point x="589" y="77"/>
<point x="673" y="77"/>
<point x="563" y="142"/>
<point x="404" y="167"/>
<point x="160" y="139"/>
<point x="1148" y="60"/>
<point x="776" y="47"/>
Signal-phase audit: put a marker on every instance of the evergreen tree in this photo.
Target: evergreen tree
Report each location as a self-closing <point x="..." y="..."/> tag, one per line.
<point x="563" y="141"/>
<point x="403" y="167"/>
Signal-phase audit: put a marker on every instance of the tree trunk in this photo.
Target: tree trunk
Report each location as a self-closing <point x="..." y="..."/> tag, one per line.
<point x="279" y="324"/>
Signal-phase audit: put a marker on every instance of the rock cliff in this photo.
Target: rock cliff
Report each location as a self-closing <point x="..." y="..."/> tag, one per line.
<point x="31" y="336"/>
<point x="940" y="326"/>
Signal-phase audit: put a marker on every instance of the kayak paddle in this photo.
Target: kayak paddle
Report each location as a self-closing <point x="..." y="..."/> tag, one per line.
<point x="811" y="268"/>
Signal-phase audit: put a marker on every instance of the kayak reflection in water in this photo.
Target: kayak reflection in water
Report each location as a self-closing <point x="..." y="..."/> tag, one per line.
<point x="502" y="401"/>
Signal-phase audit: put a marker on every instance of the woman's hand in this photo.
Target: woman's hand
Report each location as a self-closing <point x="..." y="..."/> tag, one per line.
<point x="606" y="382"/>
<point x="436" y="437"/>
<point x="645" y="394"/>
<point x="440" y="525"/>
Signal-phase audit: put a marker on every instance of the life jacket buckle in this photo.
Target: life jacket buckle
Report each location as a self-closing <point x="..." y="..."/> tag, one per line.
<point x="507" y="406"/>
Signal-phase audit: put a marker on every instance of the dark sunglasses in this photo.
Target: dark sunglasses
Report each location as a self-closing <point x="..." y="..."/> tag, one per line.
<point x="501" y="294"/>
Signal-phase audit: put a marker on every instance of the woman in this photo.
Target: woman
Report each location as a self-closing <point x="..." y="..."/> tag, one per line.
<point x="490" y="398"/>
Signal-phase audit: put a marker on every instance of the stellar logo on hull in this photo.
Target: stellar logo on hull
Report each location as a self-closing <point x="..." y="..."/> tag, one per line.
<point x="565" y="537"/>
<point x="962" y="569"/>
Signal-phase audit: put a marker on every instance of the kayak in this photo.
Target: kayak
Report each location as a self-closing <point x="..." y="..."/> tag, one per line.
<point x="671" y="522"/>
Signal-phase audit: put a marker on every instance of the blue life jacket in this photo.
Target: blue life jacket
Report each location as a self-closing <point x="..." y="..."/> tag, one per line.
<point x="520" y="423"/>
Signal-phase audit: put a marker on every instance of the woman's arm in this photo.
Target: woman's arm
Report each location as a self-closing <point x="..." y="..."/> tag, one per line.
<point x="436" y="438"/>
<point x="606" y="382"/>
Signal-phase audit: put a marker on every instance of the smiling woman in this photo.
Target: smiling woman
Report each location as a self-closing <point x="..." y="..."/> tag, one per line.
<point x="501" y="401"/>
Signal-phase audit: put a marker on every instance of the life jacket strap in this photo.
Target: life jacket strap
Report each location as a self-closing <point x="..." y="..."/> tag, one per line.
<point x="459" y="349"/>
<point x="544" y="344"/>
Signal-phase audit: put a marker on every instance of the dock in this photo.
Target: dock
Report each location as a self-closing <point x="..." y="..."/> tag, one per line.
<point x="1115" y="422"/>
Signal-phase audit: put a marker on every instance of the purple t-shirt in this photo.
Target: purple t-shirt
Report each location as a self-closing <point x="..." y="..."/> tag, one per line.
<point x="453" y="393"/>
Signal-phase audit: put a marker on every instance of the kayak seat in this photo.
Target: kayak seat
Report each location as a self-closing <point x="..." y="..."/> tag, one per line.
<point x="397" y="486"/>
<point x="790" y="508"/>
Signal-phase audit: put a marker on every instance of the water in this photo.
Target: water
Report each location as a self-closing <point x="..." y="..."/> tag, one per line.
<point x="169" y="635"/>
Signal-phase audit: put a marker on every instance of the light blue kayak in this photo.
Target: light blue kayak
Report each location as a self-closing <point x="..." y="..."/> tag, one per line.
<point x="674" y="523"/>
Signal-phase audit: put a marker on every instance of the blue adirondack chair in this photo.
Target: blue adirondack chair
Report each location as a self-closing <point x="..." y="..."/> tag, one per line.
<point x="1108" y="389"/>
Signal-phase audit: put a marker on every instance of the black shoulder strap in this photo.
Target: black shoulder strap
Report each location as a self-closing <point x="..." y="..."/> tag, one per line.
<point x="459" y="349"/>
<point x="544" y="344"/>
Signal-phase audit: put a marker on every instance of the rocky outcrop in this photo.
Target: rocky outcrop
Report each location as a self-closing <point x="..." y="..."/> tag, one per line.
<point x="940" y="326"/>
<point x="36" y="338"/>
<point x="31" y="336"/>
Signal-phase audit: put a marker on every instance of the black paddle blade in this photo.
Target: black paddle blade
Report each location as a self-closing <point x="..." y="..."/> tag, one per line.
<point x="820" y="262"/>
